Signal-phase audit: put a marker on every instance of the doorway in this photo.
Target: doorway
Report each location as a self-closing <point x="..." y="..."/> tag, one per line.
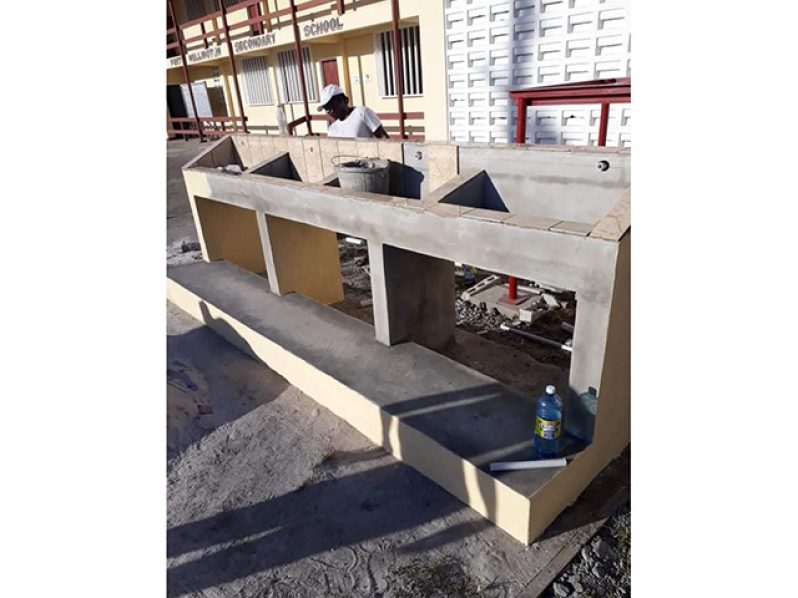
<point x="329" y="72"/>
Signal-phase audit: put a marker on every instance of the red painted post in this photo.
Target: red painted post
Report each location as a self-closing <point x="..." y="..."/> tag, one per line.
<point x="512" y="288"/>
<point x="520" y="120"/>
<point x="301" y="64"/>
<point x="179" y="36"/>
<point x="220" y="3"/>
<point x="204" y="39"/>
<point x="604" y="118"/>
<point x="397" y="67"/>
<point x="520" y="137"/>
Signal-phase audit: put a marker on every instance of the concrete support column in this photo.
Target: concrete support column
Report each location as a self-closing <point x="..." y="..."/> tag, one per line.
<point x="602" y="358"/>
<point x="228" y="232"/>
<point x="301" y="259"/>
<point x="413" y="296"/>
<point x="590" y="344"/>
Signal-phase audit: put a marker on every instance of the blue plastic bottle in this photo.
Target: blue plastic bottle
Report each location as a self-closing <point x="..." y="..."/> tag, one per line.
<point x="548" y="423"/>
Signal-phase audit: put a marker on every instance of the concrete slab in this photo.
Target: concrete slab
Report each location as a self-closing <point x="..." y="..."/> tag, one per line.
<point x="442" y="418"/>
<point x="274" y="495"/>
<point x="492" y="295"/>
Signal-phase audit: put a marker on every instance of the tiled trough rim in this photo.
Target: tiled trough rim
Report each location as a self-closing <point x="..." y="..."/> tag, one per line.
<point x="611" y="227"/>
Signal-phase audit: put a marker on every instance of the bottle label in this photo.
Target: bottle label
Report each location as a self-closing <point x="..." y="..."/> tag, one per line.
<point x="547" y="429"/>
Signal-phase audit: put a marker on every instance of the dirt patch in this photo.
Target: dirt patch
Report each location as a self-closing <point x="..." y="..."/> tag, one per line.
<point x="438" y="579"/>
<point x="480" y="344"/>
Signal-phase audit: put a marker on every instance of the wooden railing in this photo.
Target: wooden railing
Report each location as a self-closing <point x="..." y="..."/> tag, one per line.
<point x="209" y="126"/>
<point x="383" y="116"/>
<point x="259" y="21"/>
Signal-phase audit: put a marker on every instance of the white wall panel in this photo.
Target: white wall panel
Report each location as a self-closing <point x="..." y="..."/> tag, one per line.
<point x="494" y="46"/>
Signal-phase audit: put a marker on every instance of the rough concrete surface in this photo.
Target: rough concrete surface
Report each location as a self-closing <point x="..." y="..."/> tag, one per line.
<point x="271" y="495"/>
<point x="179" y="223"/>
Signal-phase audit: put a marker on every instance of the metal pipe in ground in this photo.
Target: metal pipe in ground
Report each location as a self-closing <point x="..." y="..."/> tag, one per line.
<point x="512" y="288"/>
<point x="537" y="338"/>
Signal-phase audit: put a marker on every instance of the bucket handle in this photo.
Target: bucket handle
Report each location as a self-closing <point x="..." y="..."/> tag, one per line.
<point x="348" y="158"/>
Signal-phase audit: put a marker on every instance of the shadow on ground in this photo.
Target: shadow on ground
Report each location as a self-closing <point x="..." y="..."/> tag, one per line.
<point x="210" y="383"/>
<point x="383" y="499"/>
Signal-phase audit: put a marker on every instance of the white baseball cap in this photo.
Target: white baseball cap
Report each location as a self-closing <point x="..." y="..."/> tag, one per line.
<point x="327" y="94"/>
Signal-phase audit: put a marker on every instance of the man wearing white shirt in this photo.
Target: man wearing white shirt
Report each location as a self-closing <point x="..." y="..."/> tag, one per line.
<point x="359" y="121"/>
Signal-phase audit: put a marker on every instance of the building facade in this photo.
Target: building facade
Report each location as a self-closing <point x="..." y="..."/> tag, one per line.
<point x="458" y="60"/>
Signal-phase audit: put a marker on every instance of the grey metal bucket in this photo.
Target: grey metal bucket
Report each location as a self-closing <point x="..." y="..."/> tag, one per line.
<point x="362" y="174"/>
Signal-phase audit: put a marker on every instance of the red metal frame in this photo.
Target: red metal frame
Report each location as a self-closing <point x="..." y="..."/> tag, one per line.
<point x="598" y="91"/>
<point x="512" y="289"/>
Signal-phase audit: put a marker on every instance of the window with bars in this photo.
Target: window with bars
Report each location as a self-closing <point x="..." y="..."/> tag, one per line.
<point x="194" y="9"/>
<point x="256" y="81"/>
<point x="410" y="50"/>
<point x="288" y="75"/>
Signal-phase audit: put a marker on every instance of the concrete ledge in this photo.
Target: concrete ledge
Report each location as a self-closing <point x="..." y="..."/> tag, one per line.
<point x="445" y="420"/>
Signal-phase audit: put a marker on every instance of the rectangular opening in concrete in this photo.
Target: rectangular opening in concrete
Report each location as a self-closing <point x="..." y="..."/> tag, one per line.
<point x="530" y="340"/>
<point x="515" y="357"/>
<point x="356" y="279"/>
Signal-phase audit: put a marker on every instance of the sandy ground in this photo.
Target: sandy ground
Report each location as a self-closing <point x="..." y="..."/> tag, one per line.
<point x="270" y="494"/>
<point x="179" y="225"/>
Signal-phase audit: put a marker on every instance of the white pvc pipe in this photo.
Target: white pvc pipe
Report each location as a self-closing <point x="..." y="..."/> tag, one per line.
<point x="535" y="337"/>
<point x="515" y="465"/>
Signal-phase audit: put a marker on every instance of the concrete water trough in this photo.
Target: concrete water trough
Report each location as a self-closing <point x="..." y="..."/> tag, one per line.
<point x="557" y="215"/>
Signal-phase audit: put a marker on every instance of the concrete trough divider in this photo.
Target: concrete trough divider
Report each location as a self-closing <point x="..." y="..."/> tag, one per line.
<point x="516" y="214"/>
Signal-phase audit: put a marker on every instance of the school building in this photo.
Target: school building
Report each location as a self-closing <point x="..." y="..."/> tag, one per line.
<point x="432" y="69"/>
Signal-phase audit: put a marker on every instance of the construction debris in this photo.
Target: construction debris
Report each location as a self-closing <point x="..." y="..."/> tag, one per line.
<point x="492" y="292"/>
<point x="480" y="286"/>
<point x="530" y="315"/>
<point x="551" y="301"/>
<point x="230" y="169"/>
